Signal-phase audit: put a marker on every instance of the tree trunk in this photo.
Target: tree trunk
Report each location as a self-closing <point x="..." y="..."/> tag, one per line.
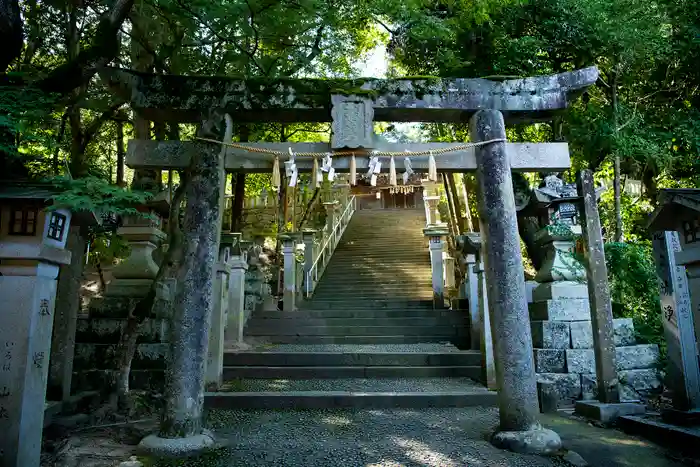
<point x="470" y="186"/>
<point x="57" y="151"/>
<point x="450" y="206"/>
<point x="78" y="166"/>
<point x="144" y="179"/>
<point x="78" y="71"/>
<point x="651" y="188"/>
<point x="238" y="187"/>
<point x="456" y="203"/>
<point x="309" y="207"/>
<point x="128" y="341"/>
<point x="616" y="168"/>
<point x="120" y="152"/>
<point x="468" y="223"/>
<point x="11" y="33"/>
<point x="238" y="180"/>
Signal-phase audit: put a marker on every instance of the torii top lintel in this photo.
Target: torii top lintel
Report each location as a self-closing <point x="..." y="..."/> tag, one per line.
<point x="179" y="98"/>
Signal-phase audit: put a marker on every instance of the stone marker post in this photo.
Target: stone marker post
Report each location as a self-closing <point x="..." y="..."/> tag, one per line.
<point x="598" y="292"/>
<point x="437" y="234"/>
<point x="215" y="353"/>
<point x="181" y="431"/>
<point x="683" y="373"/>
<point x="28" y="273"/>
<point x="331" y="215"/>
<point x="519" y="428"/>
<point x="472" y="284"/>
<point x="290" y="272"/>
<point x="236" y="313"/>
<point x="308" y="236"/>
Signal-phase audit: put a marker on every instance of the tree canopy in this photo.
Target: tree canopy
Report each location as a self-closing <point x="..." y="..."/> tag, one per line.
<point x="57" y="117"/>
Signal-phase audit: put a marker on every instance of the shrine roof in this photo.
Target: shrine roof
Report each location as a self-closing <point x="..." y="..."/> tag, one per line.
<point x="675" y="206"/>
<point x="181" y="98"/>
<point x="42" y="193"/>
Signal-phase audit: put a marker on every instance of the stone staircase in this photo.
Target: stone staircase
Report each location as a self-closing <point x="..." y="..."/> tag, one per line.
<point x="369" y="337"/>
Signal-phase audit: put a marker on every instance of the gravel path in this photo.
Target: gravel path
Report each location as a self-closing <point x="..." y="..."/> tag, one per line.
<point x="361" y="438"/>
<point x="355" y="385"/>
<point x="360" y="348"/>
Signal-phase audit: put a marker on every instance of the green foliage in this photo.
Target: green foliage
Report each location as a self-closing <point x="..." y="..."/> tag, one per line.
<point x="106" y="248"/>
<point x="634" y="288"/>
<point x="97" y="195"/>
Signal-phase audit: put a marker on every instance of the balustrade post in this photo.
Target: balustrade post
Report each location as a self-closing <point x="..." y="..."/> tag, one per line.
<point x="437" y="234"/>
<point x="236" y="313"/>
<point x="432" y="215"/>
<point x="215" y="352"/>
<point x="449" y="265"/>
<point x="308" y="237"/>
<point x="290" y="271"/>
<point x="331" y="210"/>
<point x="472" y="292"/>
<point x="488" y="367"/>
<point x="480" y="323"/>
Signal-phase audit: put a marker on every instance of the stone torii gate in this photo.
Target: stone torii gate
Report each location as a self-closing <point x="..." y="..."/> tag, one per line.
<point x="352" y="106"/>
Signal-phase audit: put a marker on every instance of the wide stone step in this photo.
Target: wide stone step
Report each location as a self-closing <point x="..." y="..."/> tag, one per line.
<point x="380" y="264"/>
<point x="373" y="245"/>
<point x="354" y="277"/>
<point x="412" y="257"/>
<point x="388" y="339"/>
<point x="265" y="330"/>
<point x="358" y="312"/>
<point x="416" y="262"/>
<point x="351" y="358"/>
<point x="350" y="393"/>
<point x="358" y="297"/>
<point x="377" y="278"/>
<point x="339" y="372"/>
<point x="318" y="304"/>
<point x="355" y="300"/>
<point x="391" y="287"/>
<point x="297" y="322"/>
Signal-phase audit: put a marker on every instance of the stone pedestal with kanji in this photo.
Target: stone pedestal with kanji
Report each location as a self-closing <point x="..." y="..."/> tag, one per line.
<point x="676" y="240"/>
<point x="32" y="248"/>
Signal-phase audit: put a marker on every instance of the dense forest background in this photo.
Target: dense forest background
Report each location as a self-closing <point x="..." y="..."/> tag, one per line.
<point x="641" y="121"/>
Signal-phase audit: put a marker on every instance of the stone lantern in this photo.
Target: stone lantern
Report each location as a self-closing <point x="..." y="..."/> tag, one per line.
<point x="134" y="275"/>
<point x="558" y="213"/>
<point x="32" y="248"/>
<point x="675" y="227"/>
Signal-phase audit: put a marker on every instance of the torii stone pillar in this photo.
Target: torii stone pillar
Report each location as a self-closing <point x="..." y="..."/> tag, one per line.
<point x="519" y="428"/>
<point x="181" y="428"/>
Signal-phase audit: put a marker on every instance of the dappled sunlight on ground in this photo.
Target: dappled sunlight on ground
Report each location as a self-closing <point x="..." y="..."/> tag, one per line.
<point x="626" y="442"/>
<point x="364" y="438"/>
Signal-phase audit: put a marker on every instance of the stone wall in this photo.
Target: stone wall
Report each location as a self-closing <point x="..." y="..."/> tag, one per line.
<point x="96" y="339"/>
<point x="563" y="346"/>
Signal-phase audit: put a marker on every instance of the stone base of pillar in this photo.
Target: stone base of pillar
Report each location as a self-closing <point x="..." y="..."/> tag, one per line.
<point x="157" y="447"/>
<point x="538" y="440"/>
